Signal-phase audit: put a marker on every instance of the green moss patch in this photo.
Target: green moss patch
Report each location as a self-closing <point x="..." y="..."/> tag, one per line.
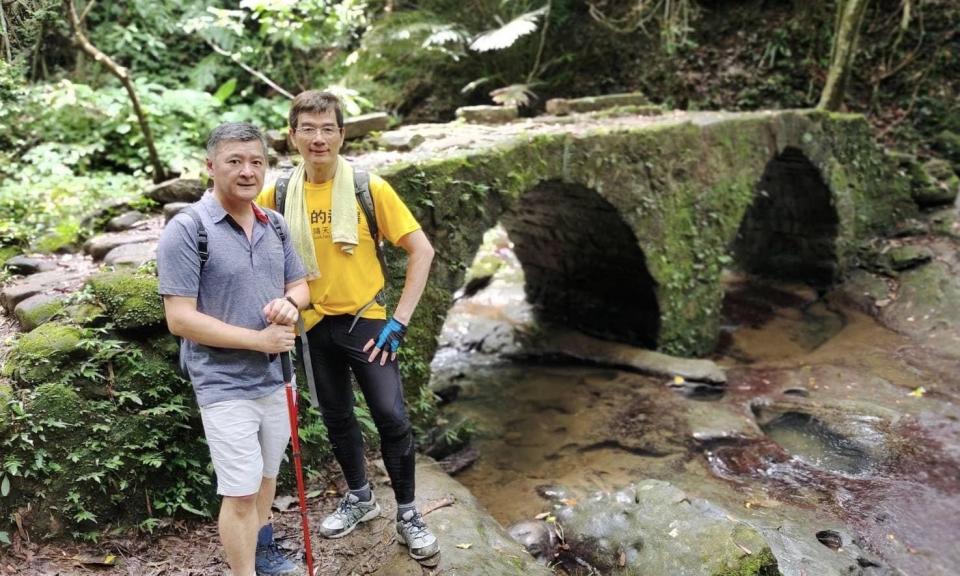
<point x="131" y="300"/>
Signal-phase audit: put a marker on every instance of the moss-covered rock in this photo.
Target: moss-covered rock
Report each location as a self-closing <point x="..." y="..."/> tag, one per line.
<point x="37" y="309"/>
<point x="38" y="355"/>
<point x="943" y="184"/>
<point x="130" y="299"/>
<point x="84" y="313"/>
<point x="762" y="563"/>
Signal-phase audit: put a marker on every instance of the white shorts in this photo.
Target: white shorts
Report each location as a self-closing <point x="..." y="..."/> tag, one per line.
<point x="247" y="440"/>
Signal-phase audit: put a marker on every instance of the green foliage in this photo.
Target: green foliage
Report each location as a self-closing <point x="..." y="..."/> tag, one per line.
<point x="113" y="439"/>
<point x="302" y="44"/>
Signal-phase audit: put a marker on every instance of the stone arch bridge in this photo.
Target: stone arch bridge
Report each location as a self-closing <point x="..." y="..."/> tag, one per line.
<point x="624" y="223"/>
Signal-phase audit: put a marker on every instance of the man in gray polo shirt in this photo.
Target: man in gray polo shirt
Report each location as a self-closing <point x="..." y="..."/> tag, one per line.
<point x="235" y="313"/>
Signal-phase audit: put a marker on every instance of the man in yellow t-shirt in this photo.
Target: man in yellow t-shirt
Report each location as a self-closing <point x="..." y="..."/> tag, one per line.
<point x="340" y="342"/>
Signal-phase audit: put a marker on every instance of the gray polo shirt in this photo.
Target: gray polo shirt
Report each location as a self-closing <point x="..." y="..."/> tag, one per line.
<point x="238" y="280"/>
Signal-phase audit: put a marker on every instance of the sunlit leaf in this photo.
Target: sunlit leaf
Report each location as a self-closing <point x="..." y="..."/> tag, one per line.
<point x="225" y="90"/>
<point x="506" y="35"/>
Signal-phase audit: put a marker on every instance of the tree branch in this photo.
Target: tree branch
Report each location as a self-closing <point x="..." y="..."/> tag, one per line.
<point x="6" y="37"/>
<point x="86" y="10"/>
<point x="76" y="23"/>
<point x="256" y="73"/>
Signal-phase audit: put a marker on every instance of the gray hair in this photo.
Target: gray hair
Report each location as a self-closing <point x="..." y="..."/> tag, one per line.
<point x="234" y="132"/>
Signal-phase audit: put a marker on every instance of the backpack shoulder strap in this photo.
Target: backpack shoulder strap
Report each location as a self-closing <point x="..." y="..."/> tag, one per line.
<point x="361" y="184"/>
<point x="273" y="218"/>
<point x="202" y="244"/>
<point x="280" y="192"/>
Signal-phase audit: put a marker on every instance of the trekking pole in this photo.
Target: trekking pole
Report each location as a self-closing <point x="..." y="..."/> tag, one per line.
<point x="297" y="465"/>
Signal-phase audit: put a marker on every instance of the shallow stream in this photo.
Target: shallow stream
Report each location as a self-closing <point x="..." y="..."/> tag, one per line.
<point x="825" y="428"/>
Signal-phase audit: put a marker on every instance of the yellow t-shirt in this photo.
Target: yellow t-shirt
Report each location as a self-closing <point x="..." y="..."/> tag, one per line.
<point x="348" y="281"/>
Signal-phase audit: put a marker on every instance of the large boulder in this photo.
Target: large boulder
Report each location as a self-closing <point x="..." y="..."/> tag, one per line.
<point x="653" y="527"/>
<point x="131" y="300"/>
<point x="472" y="543"/>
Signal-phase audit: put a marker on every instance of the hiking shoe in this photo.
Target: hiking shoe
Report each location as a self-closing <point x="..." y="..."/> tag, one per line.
<point x="414" y="534"/>
<point x="348" y="514"/>
<point x="270" y="561"/>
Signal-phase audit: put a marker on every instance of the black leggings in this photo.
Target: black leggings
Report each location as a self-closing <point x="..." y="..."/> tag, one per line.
<point x="335" y="352"/>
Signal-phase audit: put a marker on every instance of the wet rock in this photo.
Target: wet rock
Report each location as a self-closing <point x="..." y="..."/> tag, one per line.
<point x="866" y="290"/>
<point x="539" y="538"/>
<point x="649" y="424"/>
<point x="172" y="209"/>
<point x="100" y="245"/>
<point x="131" y="254"/>
<point x="125" y="221"/>
<point x="563" y="106"/>
<point x="26" y="265"/>
<point x="176" y="190"/>
<point x="653" y="527"/>
<point x="926" y="306"/>
<point x="400" y="141"/>
<point x="711" y="422"/>
<point x="472" y="543"/>
<point x="360" y="126"/>
<point x="848" y="436"/>
<point x="582" y="347"/>
<point x="37" y="309"/>
<point x="905" y="257"/>
<point x="457" y="462"/>
<point x="487" y="114"/>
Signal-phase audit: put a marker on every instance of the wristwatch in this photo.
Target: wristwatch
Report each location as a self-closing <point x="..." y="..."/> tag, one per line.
<point x="294" y="302"/>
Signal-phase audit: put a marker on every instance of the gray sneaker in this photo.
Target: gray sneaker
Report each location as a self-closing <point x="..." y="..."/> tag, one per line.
<point x="413" y="533"/>
<point x="348" y="514"/>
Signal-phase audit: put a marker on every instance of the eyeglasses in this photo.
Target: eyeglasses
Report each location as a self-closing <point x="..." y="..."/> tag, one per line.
<point x="310" y="132"/>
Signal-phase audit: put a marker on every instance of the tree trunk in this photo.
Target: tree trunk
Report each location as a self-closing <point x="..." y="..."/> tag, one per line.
<point x="76" y="24"/>
<point x="846" y="32"/>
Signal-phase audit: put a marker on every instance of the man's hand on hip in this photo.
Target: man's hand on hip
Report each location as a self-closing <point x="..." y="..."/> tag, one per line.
<point x="281" y="311"/>
<point x="276" y="338"/>
<point x="388" y="342"/>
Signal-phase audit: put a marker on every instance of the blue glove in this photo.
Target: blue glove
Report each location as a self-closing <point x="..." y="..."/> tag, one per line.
<point x="391" y="337"/>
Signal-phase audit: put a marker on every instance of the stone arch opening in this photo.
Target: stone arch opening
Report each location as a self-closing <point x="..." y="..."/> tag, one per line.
<point x="790" y="230"/>
<point x="582" y="264"/>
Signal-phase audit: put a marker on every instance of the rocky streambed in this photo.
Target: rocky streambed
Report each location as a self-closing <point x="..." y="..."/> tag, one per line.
<point x="833" y="447"/>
